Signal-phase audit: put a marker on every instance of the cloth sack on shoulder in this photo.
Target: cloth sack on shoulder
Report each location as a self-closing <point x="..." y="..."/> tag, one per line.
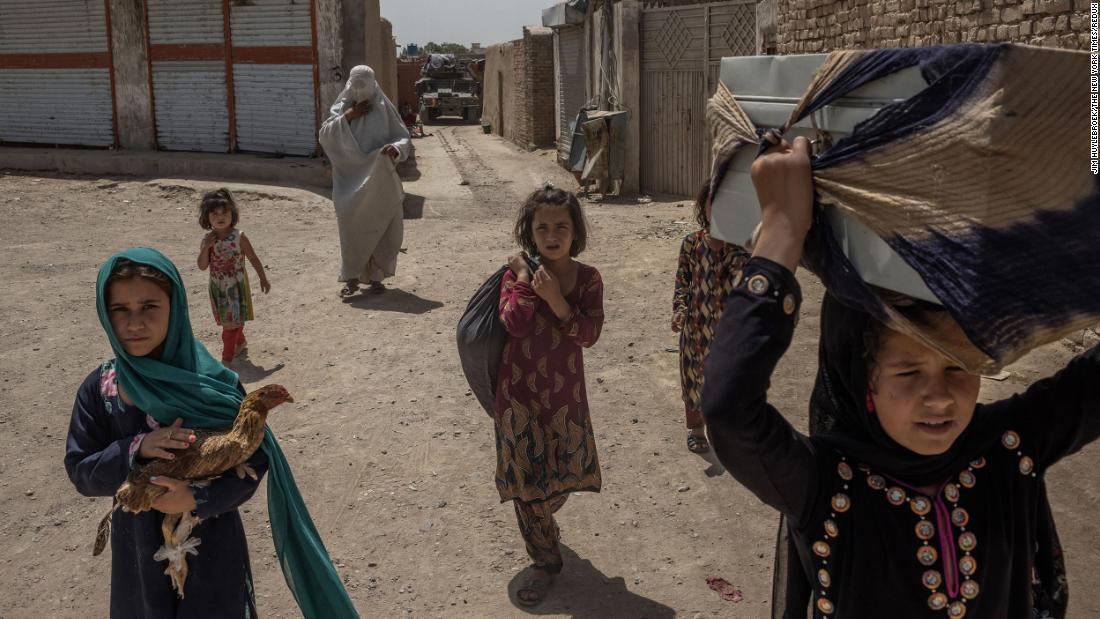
<point x="481" y="338"/>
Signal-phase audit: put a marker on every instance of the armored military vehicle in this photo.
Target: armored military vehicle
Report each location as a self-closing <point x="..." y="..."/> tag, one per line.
<point x="448" y="88"/>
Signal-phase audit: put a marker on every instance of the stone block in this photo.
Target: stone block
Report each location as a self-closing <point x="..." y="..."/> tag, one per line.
<point x="1028" y="7"/>
<point x="1013" y="32"/>
<point x="1056" y="6"/>
<point x="1001" y="33"/>
<point x="1026" y="28"/>
<point x="1061" y="24"/>
<point x="1010" y="14"/>
<point x="1045" y="26"/>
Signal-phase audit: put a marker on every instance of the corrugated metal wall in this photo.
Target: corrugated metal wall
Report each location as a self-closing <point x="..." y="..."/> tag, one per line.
<point x="187" y="52"/>
<point x="570" y="75"/>
<point x="55" y="82"/>
<point x="681" y="53"/>
<point x="274" y="99"/>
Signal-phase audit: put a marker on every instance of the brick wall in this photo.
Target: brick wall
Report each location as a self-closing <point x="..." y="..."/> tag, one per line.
<point x="810" y="26"/>
<point x="535" y="93"/>
<point x="408" y="71"/>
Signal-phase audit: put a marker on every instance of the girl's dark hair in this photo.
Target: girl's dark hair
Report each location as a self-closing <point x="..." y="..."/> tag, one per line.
<point x="701" y="198"/>
<point x="128" y="269"/>
<point x="916" y="310"/>
<point x="212" y="200"/>
<point x="550" y="196"/>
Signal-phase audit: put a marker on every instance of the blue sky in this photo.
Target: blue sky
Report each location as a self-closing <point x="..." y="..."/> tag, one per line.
<point x="461" y="21"/>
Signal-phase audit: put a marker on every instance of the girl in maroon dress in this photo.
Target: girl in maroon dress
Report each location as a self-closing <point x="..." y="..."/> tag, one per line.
<point x="544" y="441"/>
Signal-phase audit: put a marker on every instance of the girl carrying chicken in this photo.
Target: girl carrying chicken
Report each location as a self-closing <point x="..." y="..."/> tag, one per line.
<point x="142" y="405"/>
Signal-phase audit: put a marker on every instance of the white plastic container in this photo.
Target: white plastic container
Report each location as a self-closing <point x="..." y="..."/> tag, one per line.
<point x="767" y="88"/>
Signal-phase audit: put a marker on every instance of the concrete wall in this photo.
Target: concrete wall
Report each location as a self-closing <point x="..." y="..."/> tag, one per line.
<point x="806" y="26"/>
<point x="336" y="53"/>
<point x="535" y="95"/>
<point x="371" y="25"/>
<point x="499" y="88"/>
<point x="628" y="20"/>
<point x="408" y="71"/>
<point x="387" y="73"/>
<point x="133" y="103"/>
<point x="350" y="28"/>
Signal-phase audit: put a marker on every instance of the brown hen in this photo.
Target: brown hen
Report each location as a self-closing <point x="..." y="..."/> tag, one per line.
<point x="213" y="453"/>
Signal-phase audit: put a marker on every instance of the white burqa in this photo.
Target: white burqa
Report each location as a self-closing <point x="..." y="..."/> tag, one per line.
<point x="366" y="189"/>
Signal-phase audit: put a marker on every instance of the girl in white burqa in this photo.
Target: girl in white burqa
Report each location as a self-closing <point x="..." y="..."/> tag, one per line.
<point x="364" y="139"/>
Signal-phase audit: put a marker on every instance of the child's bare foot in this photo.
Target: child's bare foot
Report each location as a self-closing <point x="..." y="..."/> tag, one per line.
<point x="535" y="587"/>
<point x="350" y="288"/>
<point x="377" y="287"/>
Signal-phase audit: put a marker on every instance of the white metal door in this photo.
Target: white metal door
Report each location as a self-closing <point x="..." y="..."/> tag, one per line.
<point x="55" y="76"/>
<point x="273" y="76"/>
<point x="570" y="77"/>
<point x="682" y="48"/>
<point x="187" y="42"/>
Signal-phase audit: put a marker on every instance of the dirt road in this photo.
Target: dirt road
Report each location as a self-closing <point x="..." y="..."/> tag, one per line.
<point x="393" y="456"/>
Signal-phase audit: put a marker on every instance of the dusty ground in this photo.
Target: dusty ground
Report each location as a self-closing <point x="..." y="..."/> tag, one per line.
<point x="392" y="454"/>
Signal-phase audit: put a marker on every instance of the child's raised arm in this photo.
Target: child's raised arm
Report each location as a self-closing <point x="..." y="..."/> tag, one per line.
<point x="751" y="438"/>
<point x="784" y="187"/>
<point x="204" y="250"/>
<point x="584" y="323"/>
<point x="517" y="302"/>
<point x="250" y="253"/>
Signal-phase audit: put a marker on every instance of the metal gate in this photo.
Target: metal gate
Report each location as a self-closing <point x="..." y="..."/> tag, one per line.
<point x="274" y="81"/>
<point x="230" y="76"/>
<point x="187" y="59"/>
<point x="55" y="72"/>
<point x="682" y="48"/>
<point x="569" y="74"/>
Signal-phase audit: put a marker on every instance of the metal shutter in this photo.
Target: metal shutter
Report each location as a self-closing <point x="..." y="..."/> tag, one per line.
<point x="187" y="55"/>
<point x="273" y="76"/>
<point x="571" y="80"/>
<point x="55" y="78"/>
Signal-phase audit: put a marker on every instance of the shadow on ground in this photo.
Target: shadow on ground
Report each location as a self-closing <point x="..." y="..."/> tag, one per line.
<point x="250" y="372"/>
<point x="583" y="592"/>
<point x="414" y="206"/>
<point x="393" y="300"/>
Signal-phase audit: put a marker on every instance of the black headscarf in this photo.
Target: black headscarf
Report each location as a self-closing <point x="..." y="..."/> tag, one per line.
<point x="839" y="418"/>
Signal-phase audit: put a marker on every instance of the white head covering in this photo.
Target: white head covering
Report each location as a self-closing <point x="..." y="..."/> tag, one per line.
<point x="376" y="129"/>
<point x="361" y="86"/>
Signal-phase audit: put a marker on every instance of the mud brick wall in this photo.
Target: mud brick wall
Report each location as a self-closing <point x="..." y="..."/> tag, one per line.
<point x="812" y="26"/>
<point x="535" y="92"/>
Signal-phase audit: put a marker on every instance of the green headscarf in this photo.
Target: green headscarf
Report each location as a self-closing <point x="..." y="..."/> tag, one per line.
<point x="187" y="382"/>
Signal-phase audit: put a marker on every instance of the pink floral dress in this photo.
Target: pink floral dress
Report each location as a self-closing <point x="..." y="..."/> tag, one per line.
<point x="230" y="295"/>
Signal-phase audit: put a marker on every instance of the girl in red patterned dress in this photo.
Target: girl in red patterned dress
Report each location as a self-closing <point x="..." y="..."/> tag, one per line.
<point x="224" y="249"/>
<point x="707" y="270"/>
<point x="544" y="440"/>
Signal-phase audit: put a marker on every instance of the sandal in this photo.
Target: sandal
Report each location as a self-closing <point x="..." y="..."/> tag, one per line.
<point x="534" y="588"/>
<point x="350" y="288"/>
<point x="377" y="287"/>
<point x="698" y="444"/>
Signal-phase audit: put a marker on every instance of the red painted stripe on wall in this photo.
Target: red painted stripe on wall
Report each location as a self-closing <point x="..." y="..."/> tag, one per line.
<point x="244" y="55"/>
<point x="273" y="55"/>
<point x="161" y="52"/>
<point x="77" y="60"/>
